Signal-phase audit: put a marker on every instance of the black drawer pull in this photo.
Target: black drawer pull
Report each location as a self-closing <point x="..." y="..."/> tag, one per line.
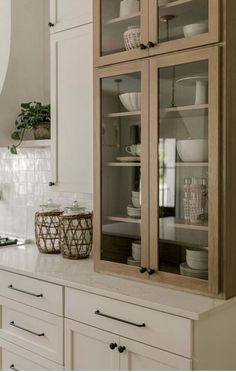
<point x="26" y="292"/>
<point x="120" y="320"/>
<point x="26" y="330"/>
<point x="13" y="368"/>
<point x="121" y="349"/>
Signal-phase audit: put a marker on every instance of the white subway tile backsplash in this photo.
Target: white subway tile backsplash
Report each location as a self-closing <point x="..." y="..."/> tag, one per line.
<point x="24" y="187"/>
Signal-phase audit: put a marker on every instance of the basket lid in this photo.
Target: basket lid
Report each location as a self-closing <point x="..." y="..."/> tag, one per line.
<point x="50" y="206"/>
<point x="74" y="209"/>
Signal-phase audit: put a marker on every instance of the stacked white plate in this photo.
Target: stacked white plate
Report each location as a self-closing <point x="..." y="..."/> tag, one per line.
<point x="196" y="264"/>
<point x="133" y="212"/>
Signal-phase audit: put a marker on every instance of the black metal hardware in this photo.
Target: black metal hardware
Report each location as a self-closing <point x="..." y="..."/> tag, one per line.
<point x="150" y="44"/>
<point x="142" y="270"/>
<point x="121" y="349"/>
<point x="51" y="184"/>
<point x="13" y="368"/>
<point x="113" y="346"/>
<point x="26" y="292"/>
<point x="50" y="24"/>
<point x="150" y="271"/>
<point x="26" y="330"/>
<point x="142" y="46"/>
<point x="119" y="320"/>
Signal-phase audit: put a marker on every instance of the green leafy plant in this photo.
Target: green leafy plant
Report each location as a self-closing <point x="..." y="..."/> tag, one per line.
<point x="32" y="113"/>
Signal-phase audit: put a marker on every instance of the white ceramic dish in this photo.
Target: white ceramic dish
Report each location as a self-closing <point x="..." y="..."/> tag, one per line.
<point x="195" y="29"/>
<point x="131" y="261"/>
<point x="129" y="7"/>
<point x="197" y="254"/>
<point x="195" y="264"/>
<point x="133" y="212"/>
<point x="193" y="150"/>
<point x="131" y="101"/>
<point x="187" y="271"/>
<point x="136" y="199"/>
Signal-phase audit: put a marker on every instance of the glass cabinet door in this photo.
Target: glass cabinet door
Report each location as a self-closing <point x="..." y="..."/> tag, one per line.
<point x="184" y="176"/>
<point x="180" y="24"/>
<point x="122" y="178"/>
<point x="120" y="30"/>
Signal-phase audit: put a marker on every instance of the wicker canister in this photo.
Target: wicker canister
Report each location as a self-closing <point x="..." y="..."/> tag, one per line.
<point x="132" y="37"/>
<point x="76" y="235"/>
<point x="47" y="226"/>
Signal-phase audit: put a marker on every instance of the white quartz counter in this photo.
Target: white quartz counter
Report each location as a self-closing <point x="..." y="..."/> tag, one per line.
<point x="26" y="260"/>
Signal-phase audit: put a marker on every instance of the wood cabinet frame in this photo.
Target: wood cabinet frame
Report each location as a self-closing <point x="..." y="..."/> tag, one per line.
<point x="212" y="55"/>
<point x="212" y="36"/>
<point x="126" y="68"/>
<point x="122" y="56"/>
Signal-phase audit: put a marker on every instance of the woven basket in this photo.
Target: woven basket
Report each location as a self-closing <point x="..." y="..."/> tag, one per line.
<point x="47" y="226"/>
<point x="76" y="235"/>
<point x="132" y="38"/>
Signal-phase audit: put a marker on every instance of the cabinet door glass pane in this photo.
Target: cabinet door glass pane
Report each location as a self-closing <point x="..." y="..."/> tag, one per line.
<point x="182" y="19"/>
<point x="183" y="169"/>
<point x="121" y="169"/>
<point x="120" y="27"/>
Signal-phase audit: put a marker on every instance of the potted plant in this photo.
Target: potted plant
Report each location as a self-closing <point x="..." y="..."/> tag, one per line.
<point x="33" y="116"/>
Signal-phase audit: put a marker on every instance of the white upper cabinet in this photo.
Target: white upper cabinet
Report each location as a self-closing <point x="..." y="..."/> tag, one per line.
<point x="72" y="103"/>
<point x="66" y="14"/>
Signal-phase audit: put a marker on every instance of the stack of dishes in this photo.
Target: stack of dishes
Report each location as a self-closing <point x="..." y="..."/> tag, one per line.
<point x="196" y="264"/>
<point x="133" y="211"/>
<point x="135" y="259"/>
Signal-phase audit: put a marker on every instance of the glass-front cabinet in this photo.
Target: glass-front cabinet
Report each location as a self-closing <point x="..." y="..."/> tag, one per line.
<point x="156" y="182"/>
<point x="122" y="169"/>
<point x="131" y="29"/>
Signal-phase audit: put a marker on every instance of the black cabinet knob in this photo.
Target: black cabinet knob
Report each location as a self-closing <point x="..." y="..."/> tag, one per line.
<point x="50" y="24"/>
<point x="150" y="271"/>
<point x="142" y="270"/>
<point x="113" y="346"/>
<point x="142" y="46"/>
<point x="121" y="349"/>
<point x="150" y="44"/>
<point x="51" y="184"/>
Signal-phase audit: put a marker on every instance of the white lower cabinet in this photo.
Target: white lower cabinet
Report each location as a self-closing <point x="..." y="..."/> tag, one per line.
<point x="89" y="348"/>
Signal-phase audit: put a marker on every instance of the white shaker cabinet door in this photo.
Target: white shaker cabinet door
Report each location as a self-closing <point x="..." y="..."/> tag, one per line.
<point x="88" y="348"/>
<point x="135" y="356"/>
<point x="66" y="14"/>
<point x="72" y="109"/>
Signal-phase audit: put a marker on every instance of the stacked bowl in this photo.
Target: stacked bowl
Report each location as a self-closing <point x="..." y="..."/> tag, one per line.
<point x="196" y="264"/>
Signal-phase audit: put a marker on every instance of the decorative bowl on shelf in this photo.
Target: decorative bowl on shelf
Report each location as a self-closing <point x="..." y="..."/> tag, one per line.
<point x="132" y="37"/>
<point x="193" y="150"/>
<point x="133" y="212"/>
<point x="131" y="101"/>
<point x="195" y="29"/>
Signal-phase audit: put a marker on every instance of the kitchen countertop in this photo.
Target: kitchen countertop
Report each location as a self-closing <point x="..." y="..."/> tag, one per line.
<point x="26" y="260"/>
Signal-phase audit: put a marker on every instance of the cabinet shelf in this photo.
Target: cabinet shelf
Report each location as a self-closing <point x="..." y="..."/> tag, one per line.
<point x="123" y="114"/>
<point x="175" y="3"/>
<point x="191" y="164"/>
<point x="182" y="224"/>
<point x="135" y="17"/>
<point x="186" y="111"/>
<point x="116" y="164"/>
<point x="35" y="143"/>
<point x="125" y="219"/>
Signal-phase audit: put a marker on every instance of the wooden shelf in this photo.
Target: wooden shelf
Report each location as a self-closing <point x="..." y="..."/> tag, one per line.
<point x="123" y="114"/>
<point x="191" y="164"/>
<point x="175" y="3"/>
<point x="186" y="111"/>
<point x="125" y="219"/>
<point x="120" y="164"/>
<point x="182" y="224"/>
<point x="126" y="19"/>
<point x="35" y="143"/>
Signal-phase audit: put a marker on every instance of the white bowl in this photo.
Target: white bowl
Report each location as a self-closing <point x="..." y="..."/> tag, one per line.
<point x="193" y="150"/>
<point x="131" y="101"/>
<point x="136" y="202"/>
<point x="133" y="212"/>
<point x="197" y="264"/>
<point x="195" y="29"/>
<point x="197" y="254"/>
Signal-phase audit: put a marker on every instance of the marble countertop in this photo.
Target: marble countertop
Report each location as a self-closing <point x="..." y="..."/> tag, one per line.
<point x="26" y="260"/>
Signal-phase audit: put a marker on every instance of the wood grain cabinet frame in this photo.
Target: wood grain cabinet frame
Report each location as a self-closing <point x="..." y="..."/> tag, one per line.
<point x="211" y="55"/>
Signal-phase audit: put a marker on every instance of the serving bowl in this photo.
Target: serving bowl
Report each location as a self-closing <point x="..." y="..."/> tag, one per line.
<point x="193" y="150"/>
<point x="131" y="101"/>
<point x="197" y="254"/>
<point x="197" y="264"/>
<point x="195" y="29"/>
<point x="133" y="212"/>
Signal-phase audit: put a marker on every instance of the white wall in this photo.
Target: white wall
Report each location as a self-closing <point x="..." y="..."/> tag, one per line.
<point x="25" y="79"/>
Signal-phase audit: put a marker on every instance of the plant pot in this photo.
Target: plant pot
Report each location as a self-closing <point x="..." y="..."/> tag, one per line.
<point x="42" y="131"/>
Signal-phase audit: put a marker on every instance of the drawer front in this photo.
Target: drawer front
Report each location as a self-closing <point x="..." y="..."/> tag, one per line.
<point x="32" y="329"/>
<point x="12" y="361"/>
<point x="42" y="295"/>
<point x="155" y="328"/>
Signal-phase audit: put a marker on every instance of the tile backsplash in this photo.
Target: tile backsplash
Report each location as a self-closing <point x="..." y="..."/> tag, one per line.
<point x="24" y="187"/>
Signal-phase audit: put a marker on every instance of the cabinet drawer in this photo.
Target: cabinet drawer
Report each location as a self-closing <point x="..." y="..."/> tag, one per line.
<point x="33" y="292"/>
<point x="165" y="331"/>
<point x="32" y="329"/>
<point x="15" y="358"/>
